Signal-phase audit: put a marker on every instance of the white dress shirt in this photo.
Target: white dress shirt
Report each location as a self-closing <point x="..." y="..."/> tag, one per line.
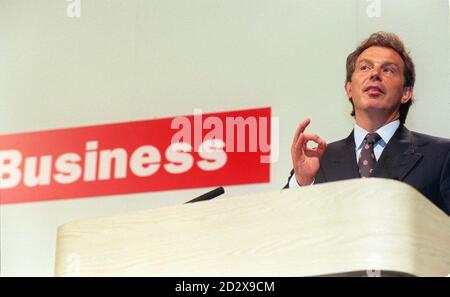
<point x="386" y="132"/>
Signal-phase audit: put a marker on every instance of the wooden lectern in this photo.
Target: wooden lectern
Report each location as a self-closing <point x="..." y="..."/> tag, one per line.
<point x="353" y="227"/>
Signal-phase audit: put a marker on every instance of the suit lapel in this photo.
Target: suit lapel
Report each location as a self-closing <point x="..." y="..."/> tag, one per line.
<point x="398" y="157"/>
<point x="344" y="160"/>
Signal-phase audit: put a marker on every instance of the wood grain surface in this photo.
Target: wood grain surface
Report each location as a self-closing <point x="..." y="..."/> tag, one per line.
<point x="336" y="228"/>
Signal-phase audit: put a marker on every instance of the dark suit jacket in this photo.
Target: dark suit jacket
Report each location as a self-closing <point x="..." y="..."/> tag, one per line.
<point x="420" y="160"/>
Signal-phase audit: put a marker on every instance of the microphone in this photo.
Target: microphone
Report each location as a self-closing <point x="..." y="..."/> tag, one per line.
<point x="208" y="196"/>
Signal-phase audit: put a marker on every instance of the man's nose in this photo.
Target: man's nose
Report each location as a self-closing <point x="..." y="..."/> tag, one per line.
<point x="375" y="74"/>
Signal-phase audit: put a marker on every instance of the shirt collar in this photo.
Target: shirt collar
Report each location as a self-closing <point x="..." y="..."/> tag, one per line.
<point x="386" y="132"/>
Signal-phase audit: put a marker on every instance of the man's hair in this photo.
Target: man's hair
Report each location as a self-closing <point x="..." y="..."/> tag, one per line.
<point x="392" y="41"/>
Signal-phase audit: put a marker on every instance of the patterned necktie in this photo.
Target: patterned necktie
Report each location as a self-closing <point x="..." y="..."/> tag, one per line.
<point x="367" y="159"/>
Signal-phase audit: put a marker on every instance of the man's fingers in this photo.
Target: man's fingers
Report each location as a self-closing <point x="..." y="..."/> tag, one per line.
<point x="304" y="138"/>
<point x="299" y="144"/>
<point x="311" y="137"/>
<point x="321" y="144"/>
<point x="301" y="128"/>
<point x="304" y="124"/>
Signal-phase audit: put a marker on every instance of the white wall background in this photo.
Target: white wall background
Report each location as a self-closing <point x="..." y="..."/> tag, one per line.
<point x="135" y="59"/>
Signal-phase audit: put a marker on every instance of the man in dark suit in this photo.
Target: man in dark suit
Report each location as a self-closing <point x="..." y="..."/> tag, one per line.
<point x="379" y="84"/>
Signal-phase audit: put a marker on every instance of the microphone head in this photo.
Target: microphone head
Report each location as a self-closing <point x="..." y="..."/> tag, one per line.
<point x="208" y="196"/>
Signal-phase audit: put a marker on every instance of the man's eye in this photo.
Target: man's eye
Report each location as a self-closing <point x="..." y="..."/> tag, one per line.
<point x="364" y="68"/>
<point x="388" y="70"/>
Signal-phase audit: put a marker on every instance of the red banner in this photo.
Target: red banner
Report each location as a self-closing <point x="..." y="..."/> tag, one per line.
<point x="201" y="150"/>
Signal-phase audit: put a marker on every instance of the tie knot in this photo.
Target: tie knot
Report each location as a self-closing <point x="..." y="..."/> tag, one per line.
<point x="372" y="138"/>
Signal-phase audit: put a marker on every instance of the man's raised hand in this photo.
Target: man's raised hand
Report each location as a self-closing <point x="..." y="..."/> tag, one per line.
<point x="306" y="161"/>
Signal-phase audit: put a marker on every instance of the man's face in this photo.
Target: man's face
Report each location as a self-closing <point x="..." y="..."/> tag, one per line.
<point x="376" y="85"/>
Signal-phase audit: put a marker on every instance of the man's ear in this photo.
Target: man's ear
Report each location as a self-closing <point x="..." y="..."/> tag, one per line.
<point x="348" y="89"/>
<point x="407" y="94"/>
